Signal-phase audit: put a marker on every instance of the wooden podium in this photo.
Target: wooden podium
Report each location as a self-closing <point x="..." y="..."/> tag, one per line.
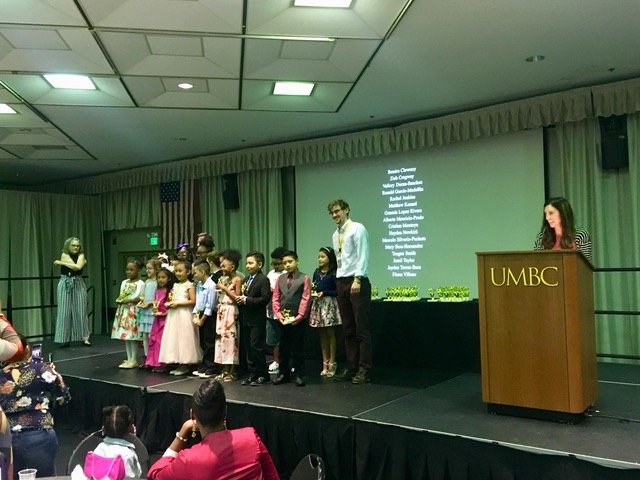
<point x="537" y="333"/>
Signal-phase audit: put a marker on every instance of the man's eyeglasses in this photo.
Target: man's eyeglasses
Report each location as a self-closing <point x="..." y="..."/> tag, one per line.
<point x="335" y="212"/>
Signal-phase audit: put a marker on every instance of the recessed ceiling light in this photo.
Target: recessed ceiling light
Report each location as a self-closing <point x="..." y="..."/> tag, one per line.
<point x="185" y="86"/>
<point x="293" y="88"/>
<point x="323" y="3"/>
<point x="535" y="58"/>
<point x="78" y="82"/>
<point x="4" y="108"/>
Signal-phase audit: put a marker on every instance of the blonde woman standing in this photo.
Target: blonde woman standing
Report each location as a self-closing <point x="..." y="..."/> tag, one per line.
<point x="72" y="321"/>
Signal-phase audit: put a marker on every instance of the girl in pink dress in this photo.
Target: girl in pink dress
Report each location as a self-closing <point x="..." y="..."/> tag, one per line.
<point x="165" y="284"/>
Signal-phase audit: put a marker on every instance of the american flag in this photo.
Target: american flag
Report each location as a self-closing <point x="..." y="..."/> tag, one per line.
<point x="177" y="218"/>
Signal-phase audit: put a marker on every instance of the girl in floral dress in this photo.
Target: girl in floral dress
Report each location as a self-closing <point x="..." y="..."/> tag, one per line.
<point x="125" y="325"/>
<point x="324" y="309"/>
<point x="227" y="329"/>
<point x="181" y="339"/>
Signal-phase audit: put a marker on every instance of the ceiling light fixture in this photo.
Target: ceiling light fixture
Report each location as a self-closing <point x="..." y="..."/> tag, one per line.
<point x="77" y="82"/>
<point x="293" y="88"/>
<point x="323" y="3"/>
<point x="534" y="58"/>
<point x="185" y="86"/>
<point x="4" y="108"/>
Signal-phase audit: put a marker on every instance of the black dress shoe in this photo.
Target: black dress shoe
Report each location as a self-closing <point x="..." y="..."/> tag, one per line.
<point x="345" y="374"/>
<point x="280" y="379"/>
<point x="299" y="381"/>
<point x="260" y="381"/>
<point x="361" y="377"/>
<point x="248" y="381"/>
<point x="65" y="345"/>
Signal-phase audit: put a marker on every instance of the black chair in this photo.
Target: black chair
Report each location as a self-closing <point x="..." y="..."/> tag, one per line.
<point x="92" y="441"/>
<point x="310" y="467"/>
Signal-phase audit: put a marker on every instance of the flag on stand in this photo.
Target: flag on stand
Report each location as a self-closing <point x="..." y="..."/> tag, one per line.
<point x="177" y="218"/>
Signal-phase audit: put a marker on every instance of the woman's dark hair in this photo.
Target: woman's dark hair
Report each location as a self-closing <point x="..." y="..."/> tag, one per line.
<point x="206" y="241"/>
<point x="333" y="261"/>
<point x="116" y="421"/>
<point x="568" y="227"/>
<point x="209" y="403"/>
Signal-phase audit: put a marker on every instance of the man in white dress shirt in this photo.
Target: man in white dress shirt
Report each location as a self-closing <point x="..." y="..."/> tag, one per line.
<point x="351" y="244"/>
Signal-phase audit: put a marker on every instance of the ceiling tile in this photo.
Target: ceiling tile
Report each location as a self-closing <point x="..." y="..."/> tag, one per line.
<point x="326" y="97"/>
<point x="174" y="55"/>
<point x="298" y="60"/>
<point x="163" y="92"/>
<point x="51" y="50"/>
<point x="4" y="155"/>
<point x="37" y="91"/>
<point x="25" y="118"/>
<point x="42" y="12"/>
<point x="28" y="152"/>
<point x="222" y="16"/>
<point x="365" y="19"/>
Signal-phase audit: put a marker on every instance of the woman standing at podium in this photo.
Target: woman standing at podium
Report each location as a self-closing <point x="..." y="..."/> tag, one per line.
<point x="559" y="232"/>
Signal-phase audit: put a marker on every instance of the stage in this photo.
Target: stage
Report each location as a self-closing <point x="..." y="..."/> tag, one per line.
<point x="408" y="423"/>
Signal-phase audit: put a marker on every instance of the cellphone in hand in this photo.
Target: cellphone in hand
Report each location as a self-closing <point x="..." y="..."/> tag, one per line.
<point x="51" y="358"/>
<point x="36" y="352"/>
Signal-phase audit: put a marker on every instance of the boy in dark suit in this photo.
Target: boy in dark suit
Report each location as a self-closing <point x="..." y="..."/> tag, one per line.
<point x="256" y="294"/>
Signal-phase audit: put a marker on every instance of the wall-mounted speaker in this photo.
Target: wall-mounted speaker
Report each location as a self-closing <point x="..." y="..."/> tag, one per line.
<point x="614" y="148"/>
<point x="230" y="196"/>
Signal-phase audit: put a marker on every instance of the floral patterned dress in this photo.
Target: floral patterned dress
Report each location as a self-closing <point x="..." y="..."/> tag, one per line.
<point x="324" y="310"/>
<point x="125" y="325"/>
<point x="28" y="391"/>
<point x="227" y="330"/>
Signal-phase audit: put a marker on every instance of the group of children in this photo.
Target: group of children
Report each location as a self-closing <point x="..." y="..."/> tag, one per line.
<point x="181" y="324"/>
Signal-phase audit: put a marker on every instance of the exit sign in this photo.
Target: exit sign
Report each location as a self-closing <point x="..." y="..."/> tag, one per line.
<point x="153" y="239"/>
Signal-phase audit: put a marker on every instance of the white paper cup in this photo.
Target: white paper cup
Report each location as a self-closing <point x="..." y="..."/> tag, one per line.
<point x="27" y="474"/>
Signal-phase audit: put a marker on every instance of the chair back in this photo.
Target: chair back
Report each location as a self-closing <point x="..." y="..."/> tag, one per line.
<point x="92" y="441"/>
<point x="310" y="467"/>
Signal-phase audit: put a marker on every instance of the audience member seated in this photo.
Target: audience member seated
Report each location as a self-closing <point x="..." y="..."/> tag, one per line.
<point x="10" y="346"/>
<point x="116" y="423"/>
<point x="10" y="349"/>
<point x="222" y="454"/>
<point x="5" y="448"/>
<point x="29" y="390"/>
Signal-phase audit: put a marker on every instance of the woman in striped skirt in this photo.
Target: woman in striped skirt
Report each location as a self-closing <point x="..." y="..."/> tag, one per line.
<point x="72" y="323"/>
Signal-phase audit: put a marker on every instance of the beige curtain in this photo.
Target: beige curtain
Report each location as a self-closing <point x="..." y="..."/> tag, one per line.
<point x="131" y="208"/>
<point x="607" y="204"/>
<point x="36" y="226"/>
<point x="257" y="224"/>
